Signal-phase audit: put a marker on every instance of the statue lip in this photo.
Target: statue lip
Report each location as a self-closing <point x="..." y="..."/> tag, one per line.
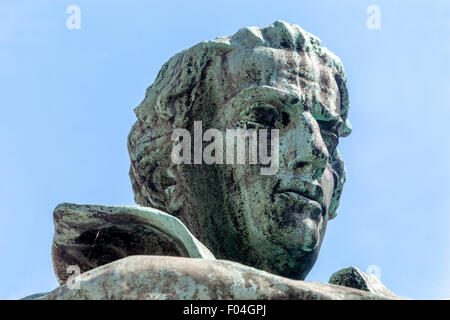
<point x="308" y="189"/>
<point x="300" y="196"/>
<point x="300" y="199"/>
<point x="307" y="208"/>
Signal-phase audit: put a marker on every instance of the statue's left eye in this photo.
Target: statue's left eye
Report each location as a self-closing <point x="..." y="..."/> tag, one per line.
<point x="330" y="133"/>
<point x="334" y="126"/>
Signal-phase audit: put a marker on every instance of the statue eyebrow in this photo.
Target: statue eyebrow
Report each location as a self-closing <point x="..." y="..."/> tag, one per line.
<point x="265" y="94"/>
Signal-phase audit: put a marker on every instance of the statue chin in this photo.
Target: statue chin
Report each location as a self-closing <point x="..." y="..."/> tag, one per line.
<point x="299" y="252"/>
<point x="309" y="237"/>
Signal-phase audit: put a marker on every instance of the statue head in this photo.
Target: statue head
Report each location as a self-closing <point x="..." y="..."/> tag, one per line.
<point x="278" y="77"/>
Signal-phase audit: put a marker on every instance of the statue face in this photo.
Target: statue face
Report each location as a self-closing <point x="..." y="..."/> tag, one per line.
<point x="273" y="222"/>
<point x="273" y="78"/>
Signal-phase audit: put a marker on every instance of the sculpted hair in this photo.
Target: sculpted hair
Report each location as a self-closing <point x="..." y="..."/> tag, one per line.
<point x="185" y="86"/>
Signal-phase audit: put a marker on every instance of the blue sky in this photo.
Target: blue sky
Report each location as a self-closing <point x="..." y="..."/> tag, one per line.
<point x="67" y="99"/>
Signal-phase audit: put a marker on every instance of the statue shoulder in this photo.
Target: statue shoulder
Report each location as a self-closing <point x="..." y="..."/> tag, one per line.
<point x="88" y="236"/>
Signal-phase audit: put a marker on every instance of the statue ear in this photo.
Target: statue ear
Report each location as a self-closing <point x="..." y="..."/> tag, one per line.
<point x="146" y="193"/>
<point x="153" y="183"/>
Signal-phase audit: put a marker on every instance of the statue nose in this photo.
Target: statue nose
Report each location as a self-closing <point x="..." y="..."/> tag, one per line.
<point x="311" y="155"/>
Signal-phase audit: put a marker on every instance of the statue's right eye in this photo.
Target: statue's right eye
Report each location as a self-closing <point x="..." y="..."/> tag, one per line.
<point x="259" y="116"/>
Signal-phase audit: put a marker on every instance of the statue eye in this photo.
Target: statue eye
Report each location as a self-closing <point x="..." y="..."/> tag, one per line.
<point x="259" y="116"/>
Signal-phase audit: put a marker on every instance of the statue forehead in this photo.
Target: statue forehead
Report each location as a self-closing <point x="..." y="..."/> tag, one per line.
<point x="283" y="76"/>
<point x="282" y="56"/>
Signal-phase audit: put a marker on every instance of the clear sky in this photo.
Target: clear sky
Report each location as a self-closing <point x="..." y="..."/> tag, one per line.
<point x="67" y="99"/>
